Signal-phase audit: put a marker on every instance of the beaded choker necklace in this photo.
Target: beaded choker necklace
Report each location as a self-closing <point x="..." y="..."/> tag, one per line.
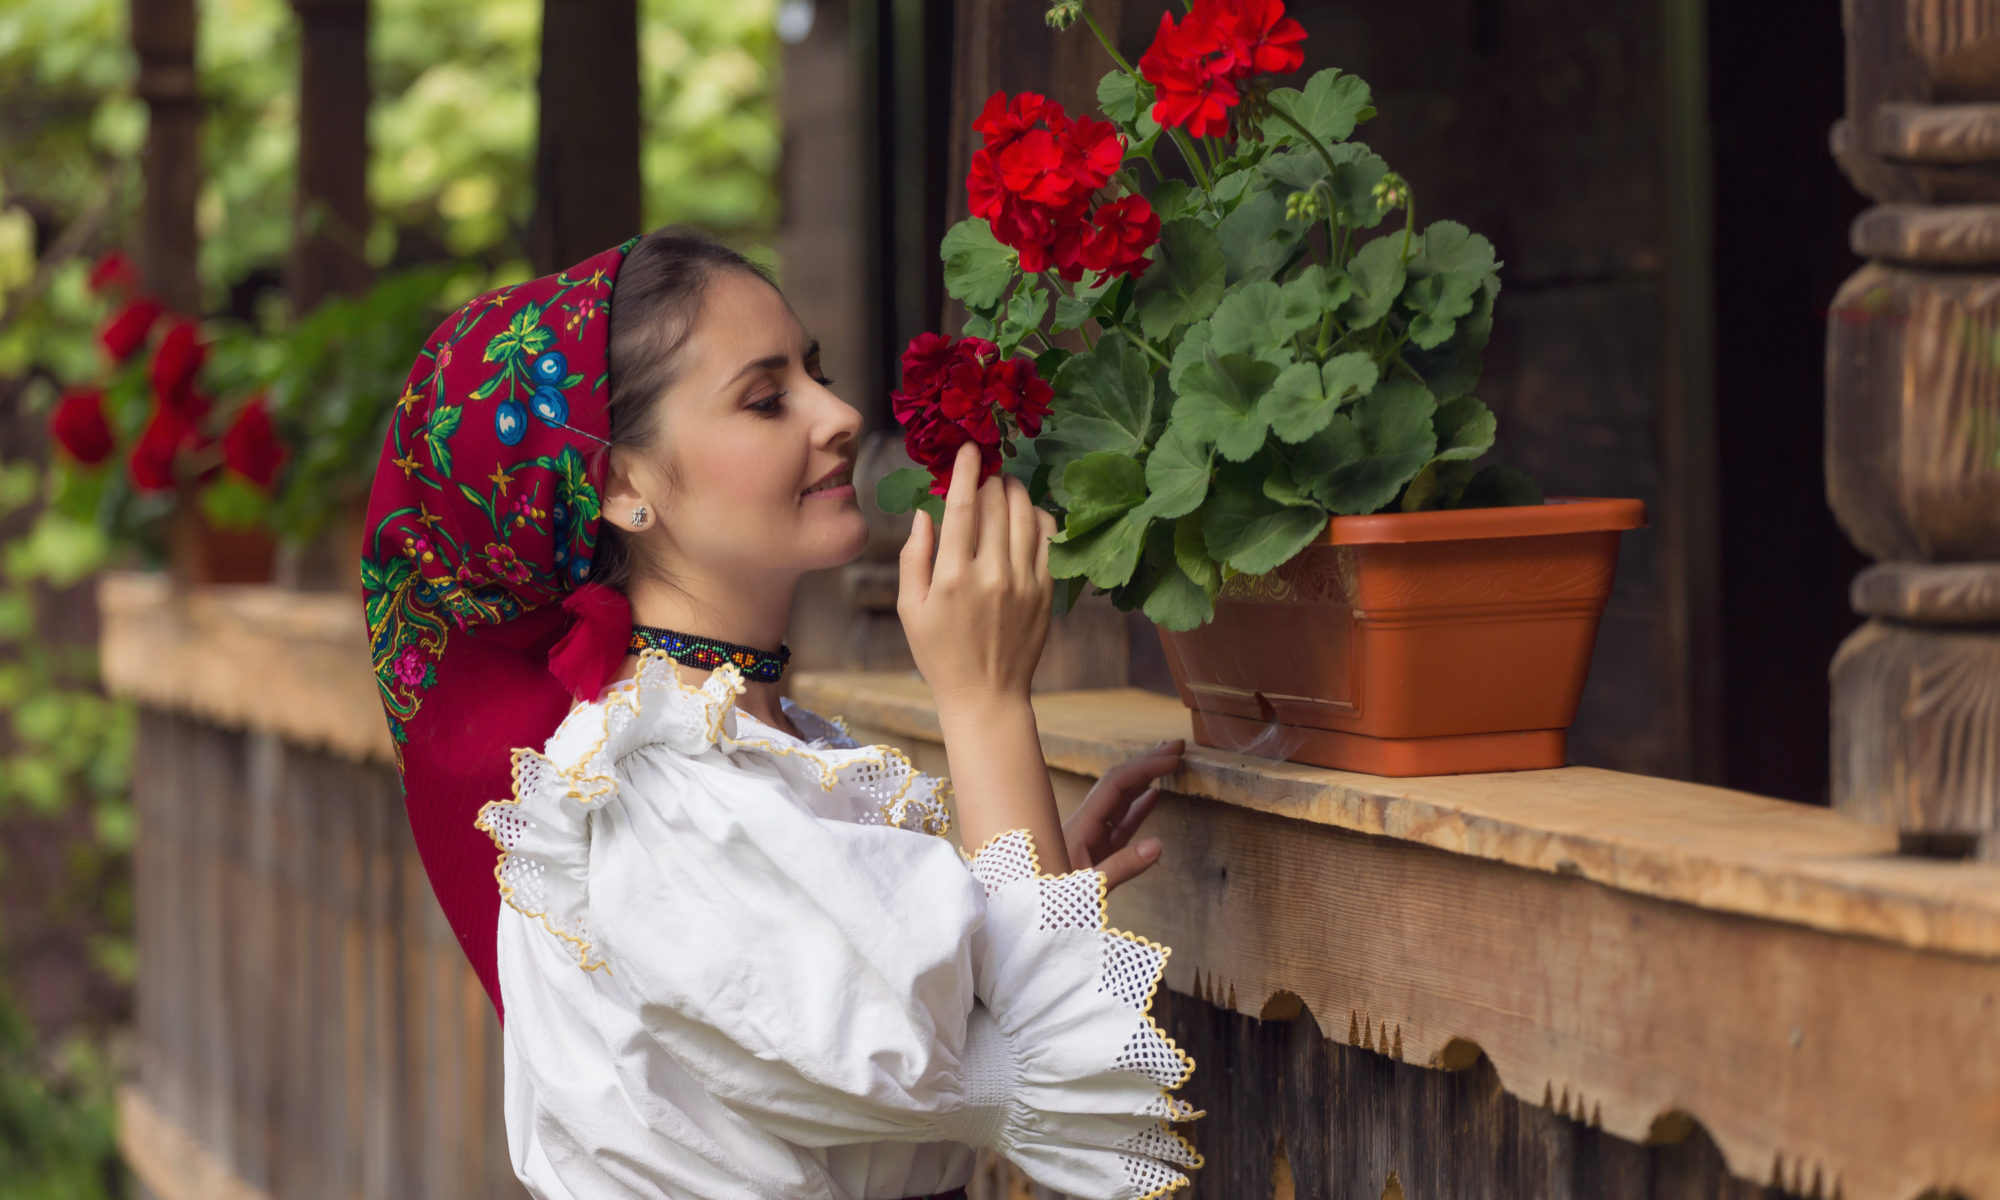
<point x="763" y="666"/>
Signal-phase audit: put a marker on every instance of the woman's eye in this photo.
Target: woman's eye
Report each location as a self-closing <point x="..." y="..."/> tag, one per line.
<point x="769" y="406"/>
<point x="823" y="381"/>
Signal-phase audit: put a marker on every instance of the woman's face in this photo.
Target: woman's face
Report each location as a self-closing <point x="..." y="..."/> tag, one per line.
<point x="751" y="469"/>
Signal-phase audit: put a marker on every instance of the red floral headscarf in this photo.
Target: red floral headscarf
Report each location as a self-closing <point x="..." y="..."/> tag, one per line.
<point x="478" y="542"/>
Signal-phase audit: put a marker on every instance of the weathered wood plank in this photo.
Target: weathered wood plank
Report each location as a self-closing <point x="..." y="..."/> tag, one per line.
<point x="1709" y="847"/>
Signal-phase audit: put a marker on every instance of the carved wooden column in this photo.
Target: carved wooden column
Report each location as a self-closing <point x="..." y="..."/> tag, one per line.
<point x="163" y="41"/>
<point x="1913" y="424"/>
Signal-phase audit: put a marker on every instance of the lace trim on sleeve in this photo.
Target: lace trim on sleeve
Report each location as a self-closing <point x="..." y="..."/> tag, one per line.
<point x="1129" y="973"/>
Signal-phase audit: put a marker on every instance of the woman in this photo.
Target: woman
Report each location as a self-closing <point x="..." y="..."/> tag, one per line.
<point x="737" y="956"/>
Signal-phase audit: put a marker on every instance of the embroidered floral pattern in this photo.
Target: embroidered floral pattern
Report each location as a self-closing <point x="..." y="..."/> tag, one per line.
<point x="486" y="506"/>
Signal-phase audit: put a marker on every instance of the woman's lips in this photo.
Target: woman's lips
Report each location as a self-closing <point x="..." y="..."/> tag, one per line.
<point x="834" y="486"/>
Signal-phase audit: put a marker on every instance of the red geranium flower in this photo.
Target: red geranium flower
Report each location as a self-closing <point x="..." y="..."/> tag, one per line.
<point x="79" y="427"/>
<point x="126" y="331"/>
<point x="1121" y="234"/>
<point x="250" y="446"/>
<point x="1036" y="175"/>
<point x="179" y="357"/>
<point x="1195" y="65"/>
<point x="113" y="272"/>
<point x="960" y="390"/>
<point x="151" y="464"/>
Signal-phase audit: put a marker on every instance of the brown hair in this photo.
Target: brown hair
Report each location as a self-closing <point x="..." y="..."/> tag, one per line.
<point x="654" y="306"/>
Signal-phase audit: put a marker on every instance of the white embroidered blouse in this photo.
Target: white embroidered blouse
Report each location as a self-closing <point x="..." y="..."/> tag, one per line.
<point x="738" y="965"/>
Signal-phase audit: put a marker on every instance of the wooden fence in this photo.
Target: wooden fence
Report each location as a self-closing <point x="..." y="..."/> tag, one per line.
<point x="1572" y="984"/>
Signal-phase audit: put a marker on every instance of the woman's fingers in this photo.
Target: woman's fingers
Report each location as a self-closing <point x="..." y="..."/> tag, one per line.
<point x="992" y="552"/>
<point x="1135" y="816"/>
<point x="913" y="574"/>
<point x="959" y="538"/>
<point x="1130" y="861"/>
<point x="1023" y="530"/>
<point x="1045" y="525"/>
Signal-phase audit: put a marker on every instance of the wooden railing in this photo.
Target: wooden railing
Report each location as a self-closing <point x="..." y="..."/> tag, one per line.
<point x="1564" y="983"/>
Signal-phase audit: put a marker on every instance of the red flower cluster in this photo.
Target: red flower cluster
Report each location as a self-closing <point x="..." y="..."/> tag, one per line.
<point x="1194" y="66"/>
<point x="250" y="446"/>
<point x="1034" y="180"/>
<point x="79" y="427"/>
<point x="959" y="390"/>
<point x="179" y="356"/>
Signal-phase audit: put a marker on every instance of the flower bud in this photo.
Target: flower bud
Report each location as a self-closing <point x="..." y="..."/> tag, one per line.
<point x="1064" y="13"/>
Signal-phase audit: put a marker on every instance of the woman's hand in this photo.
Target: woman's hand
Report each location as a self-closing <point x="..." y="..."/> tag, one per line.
<point x="1099" y="833"/>
<point x="977" y="616"/>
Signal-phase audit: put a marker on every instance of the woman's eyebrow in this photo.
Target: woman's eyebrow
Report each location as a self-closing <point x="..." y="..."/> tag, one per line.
<point x="770" y="362"/>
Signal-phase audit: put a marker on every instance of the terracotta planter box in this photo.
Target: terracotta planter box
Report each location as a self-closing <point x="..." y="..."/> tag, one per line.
<point x="1411" y="643"/>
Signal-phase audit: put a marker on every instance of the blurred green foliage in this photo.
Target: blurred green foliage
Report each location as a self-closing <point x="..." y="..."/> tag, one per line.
<point x="452" y="134"/>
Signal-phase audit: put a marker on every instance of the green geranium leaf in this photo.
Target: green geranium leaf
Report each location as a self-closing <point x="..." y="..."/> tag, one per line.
<point x="1376" y="275"/>
<point x="1448" y="270"/>
<point x="1438" y="485"/>
<point x="1219" y="402"/>
<point x="1298" y="170"/>
<point x="1193" y="348"/>
<point x="1103" y="401"/>
<point x="1364" y="456"/>
<point x="1177" y="472"/>
<point x="1185" y="280"/>
<point x="979" y="327"/>
<point x="902" y="490"/>
<point x="977" y="268"/>
<point x="1025" y="310"/>
<point x="1305" y="396"/>
<point x="1255" y="319"/>
<point x="1256" y="238"/>
<point x="1465" y="429"/>
<point x="1191" y="554"/>
<point x="1106" y="556"/>
<point x="1331" y="105"/>
<point x="1452" y="369"/>
<point x="1072" y="312"/>
<point x="1120" y="96"/>
<point x="1356" y="172"/>
<point x="1049" y="361"/>
<point x="1099" y="487"/>
<point x="1313" y="293"/>
<point x="1253" y="533"/>
<point x="1497" y="486"/>
<point x="1177" y="602"/>
<point x="1169" y="199"/>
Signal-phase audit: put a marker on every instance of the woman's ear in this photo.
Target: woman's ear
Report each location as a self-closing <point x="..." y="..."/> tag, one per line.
<point x="625" y="502"/>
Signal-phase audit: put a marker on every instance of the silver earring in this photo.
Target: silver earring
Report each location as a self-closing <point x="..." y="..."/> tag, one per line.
<point x="638" y="516"/>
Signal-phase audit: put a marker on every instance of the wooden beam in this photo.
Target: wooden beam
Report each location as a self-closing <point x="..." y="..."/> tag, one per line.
<point x="170" y="1162"/>
<point x="163" y="38"/>
<point x="587" y="187"/>
<point x="1646" y="955"/>
<point x="330" y="210"/>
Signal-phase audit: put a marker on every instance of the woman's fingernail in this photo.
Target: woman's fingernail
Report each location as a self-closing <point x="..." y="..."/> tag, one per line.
<point x="1149" y="849"/>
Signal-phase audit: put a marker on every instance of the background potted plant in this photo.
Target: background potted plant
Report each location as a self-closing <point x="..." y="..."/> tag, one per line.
<point x="1266" y="438"/>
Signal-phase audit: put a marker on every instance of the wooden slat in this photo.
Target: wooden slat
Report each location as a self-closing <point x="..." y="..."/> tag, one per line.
<point x="1709" y="847"/>
<point x="170" y="1162"/>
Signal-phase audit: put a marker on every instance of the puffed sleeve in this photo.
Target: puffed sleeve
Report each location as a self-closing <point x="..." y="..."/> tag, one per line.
<point x="812" y="964"/>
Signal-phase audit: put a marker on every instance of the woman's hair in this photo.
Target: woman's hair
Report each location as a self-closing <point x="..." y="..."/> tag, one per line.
<point x="654" y="306"/>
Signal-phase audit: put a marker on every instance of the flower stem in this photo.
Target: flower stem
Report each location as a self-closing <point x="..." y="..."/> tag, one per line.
<point x="1193" y="157"/>
<point x="1106" y="42"/>
<point x="1142" y="343"/>
<point x="1409" y="222"/>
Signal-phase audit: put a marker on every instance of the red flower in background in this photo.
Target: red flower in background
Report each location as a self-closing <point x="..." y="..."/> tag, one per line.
<point x="250" y="446"/>
<point x="1036" y="176"/>
<point x="79" y="427"/>
<point x="179" y="357"/>
<point x="151" y="463"/>
<point x="959" y="390"/>
<point x="1121" y="233"/>
<point x="1196" y="65"/>
<point x="113" y="272"/>
<point x="126" y="331"/>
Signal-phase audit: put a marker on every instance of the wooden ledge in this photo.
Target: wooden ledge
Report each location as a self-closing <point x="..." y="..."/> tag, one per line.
<point x="1710" y="847"/>
<point x="269" y="659"/>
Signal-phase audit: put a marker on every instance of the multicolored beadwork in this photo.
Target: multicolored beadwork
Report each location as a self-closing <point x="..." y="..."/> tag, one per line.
<point x="761" y="666"/>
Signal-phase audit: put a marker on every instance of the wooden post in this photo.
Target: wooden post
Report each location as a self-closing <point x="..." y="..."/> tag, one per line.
<point x="330" y="213"/>
<point x="587" y="190"/>
<point x="163" y="35"/>
<point x="1913" y="424"/>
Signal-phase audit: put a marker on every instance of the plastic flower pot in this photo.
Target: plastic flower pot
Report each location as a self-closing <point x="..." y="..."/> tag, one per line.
<point x="1432" y="643"/>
